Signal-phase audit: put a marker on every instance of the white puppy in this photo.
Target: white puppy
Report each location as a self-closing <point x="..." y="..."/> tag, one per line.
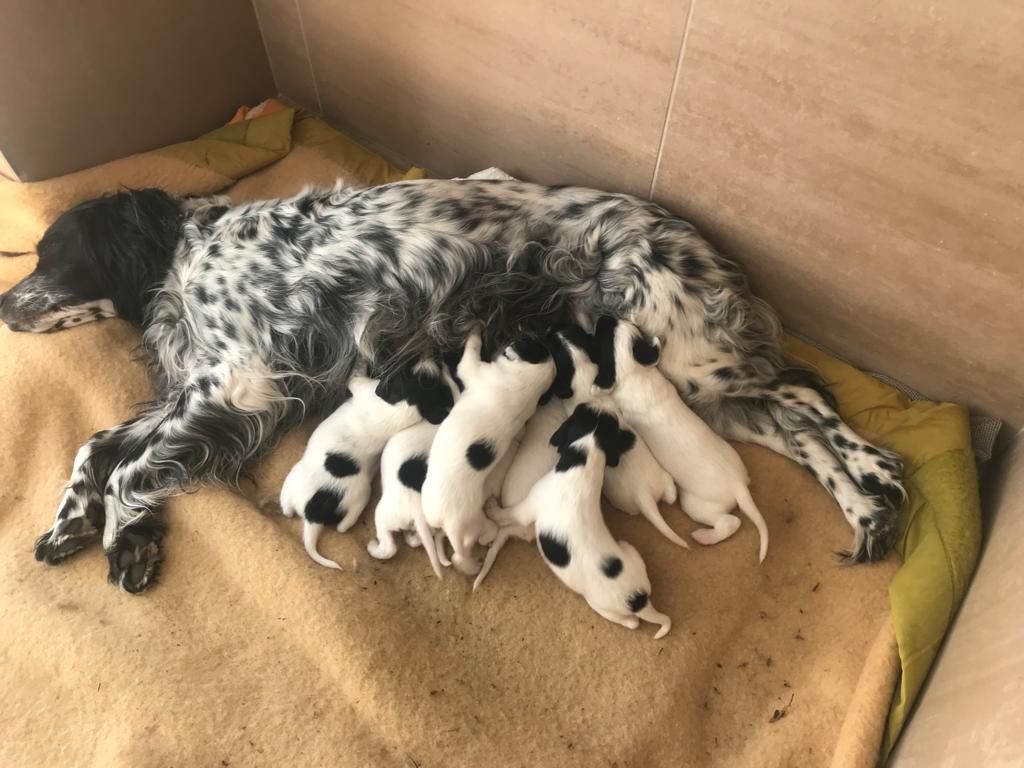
<point x="536" y="455"/>
<point x="331" y="484"/>
<point x="637" y="482"/>
<point x="711" y="475"/>
<point x="497" y="400"/>
<point x="403" y="468"/>
<point x="564" y="508"/>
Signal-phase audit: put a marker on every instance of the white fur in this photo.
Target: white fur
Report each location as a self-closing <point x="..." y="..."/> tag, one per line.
<point x="536" y="455"/>
<point x="400" y="508"/>
<point x="711" y="475"/>
<point x="566" y="506"/>
<point x="498" y="399"/>
<point x="638" y="483"/>
<point x="360" y="428"/>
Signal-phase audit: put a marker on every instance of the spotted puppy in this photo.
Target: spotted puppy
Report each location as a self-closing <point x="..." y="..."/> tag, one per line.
<point x="497" y="400"/>
<point x="712" y="477"/>
<point x="571" y="534"/>
<point x="403" y="468"/>
<point x="332" y="482"/>
<point x="637" y="482"/>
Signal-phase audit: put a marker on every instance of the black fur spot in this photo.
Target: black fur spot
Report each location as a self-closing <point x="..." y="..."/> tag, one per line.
<point x="582" y="422"/>
<point x="67" y="509"/>
<point x="555" y="552"/>
<point x="637" y="601"/>
<point x="831" y="483"/>
<point x="413" y="472"/>
<point x="842" y="442"/>
<point x="341" y="465"/>
<point x="830" y="421"/>
<point x="870" y="449"/>
<point x="612" y="439"/>
<point x="724" y="374"/>
<point x="644" y="352"/>
<point x="480" y="454"/>
<point x="202" y="295"/>
<point x="324" y="508"/>
<point x="531" y="350"/>
<point x="604" y="345"/>
<point x="569" y="457"/>
<point x="876" y="487"/>
<point x="611" y="566"/>
<point x="865" y="521"/>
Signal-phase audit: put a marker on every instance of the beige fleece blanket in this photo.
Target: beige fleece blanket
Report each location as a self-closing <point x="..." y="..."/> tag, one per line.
<point x="246" y="653"/>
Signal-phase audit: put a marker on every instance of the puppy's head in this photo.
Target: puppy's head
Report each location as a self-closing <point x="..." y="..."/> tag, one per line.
<point x="102" y="258"/>
<point x="621" y="349"/>
<point x="572" y="350"/>
<point x="421" y="384"/>
<point x="608" y="434"/>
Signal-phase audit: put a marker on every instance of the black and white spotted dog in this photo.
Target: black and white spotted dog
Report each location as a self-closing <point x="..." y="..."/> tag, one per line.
<point x="254" y="315"/>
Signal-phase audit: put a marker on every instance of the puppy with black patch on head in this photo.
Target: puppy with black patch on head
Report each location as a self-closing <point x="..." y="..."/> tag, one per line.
<point x="564" y="508"/>
<point x="637" y="482"/>
<point x="331" y="484"/>
<point x="497" y="399"/>
<point x="712" y="477"/>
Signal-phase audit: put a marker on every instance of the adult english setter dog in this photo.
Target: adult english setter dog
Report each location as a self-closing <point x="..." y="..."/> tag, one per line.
<point x="253" y="316"/>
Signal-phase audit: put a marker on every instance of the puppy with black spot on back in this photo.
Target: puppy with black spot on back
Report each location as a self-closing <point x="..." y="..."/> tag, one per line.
<point x="564" y="509"/>
<point x="711" y="476"/>
<point x="331" y="484"/>
<point x="498" y="398"/>
<point x="403" y="468"/>
<point x="637" y="482"/>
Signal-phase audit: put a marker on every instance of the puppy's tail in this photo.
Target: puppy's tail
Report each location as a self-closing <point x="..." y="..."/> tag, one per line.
<point x="310" y="537"/>
<point x="427" y="539"/>
<point x="524" y="532"/>
<point x="649" y="509"/>
<point x="749" y="508"/>
<point x="649" y="614"/>
<point x="442" y="557"/>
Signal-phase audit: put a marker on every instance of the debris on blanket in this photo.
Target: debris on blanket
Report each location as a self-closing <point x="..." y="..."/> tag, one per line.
<point x="444" y="434"/>
<point x="778" y="714"/>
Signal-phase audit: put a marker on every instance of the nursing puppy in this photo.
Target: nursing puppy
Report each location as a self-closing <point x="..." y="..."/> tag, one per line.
<point x="332" y="482"/>
<point x="497" y="399"/>
<point x="536" y="455"/>
<point x="712" y="478"/>
<point x="565" y="507"/>
<point x="637" y="482"/>
<point x="403" y="468"/>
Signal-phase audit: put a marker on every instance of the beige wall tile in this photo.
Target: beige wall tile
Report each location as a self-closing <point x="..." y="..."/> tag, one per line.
<point x="284" y="38"/>
<point x="572" y="91"/>
<point x="84" y="83"/>
<point x="865" y="162"/>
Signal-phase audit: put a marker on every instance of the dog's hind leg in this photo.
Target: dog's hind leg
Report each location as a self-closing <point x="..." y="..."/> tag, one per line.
<point x="197" y="436"/>
<point x="80" y="514"/>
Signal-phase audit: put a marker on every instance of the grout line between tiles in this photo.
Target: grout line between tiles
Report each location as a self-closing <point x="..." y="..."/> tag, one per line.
<point x="309" y="59"/>
<point x="671" y="99"/>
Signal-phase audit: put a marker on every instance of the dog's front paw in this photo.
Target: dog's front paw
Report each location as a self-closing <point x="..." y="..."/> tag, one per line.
<point x="65" y="538"/>
<point x="135" y="557"/>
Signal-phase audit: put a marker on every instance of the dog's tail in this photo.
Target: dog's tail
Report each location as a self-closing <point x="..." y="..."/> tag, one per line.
<point x="426" y="538"/>
<point x="524" y="532"/>
<point x="310" y="537"/>
<point x="749" y="508"/>
<point x="649" y="509"/>
<point x="442" y="556"/>
<point x="649" y="614"/>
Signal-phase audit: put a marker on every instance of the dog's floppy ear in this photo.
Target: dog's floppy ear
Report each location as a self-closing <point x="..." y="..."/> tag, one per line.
<point x="582" y="422"/>
<point x="646" y="352"/>
<point x="613" y="439"/>
<point x="604" y="351"/>
<point x="530" y="348"/>
<point x="433" y="397"/>
<point x="397" y="386"/>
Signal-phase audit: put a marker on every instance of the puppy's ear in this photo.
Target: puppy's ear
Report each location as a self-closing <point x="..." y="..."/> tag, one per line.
<point x="604" y="351"/>
<point x="433" y="398"/>
<point x="397" y="386"/>
<point x="646" y="352"/>
<point x="559" y="435"/>
<point x="612" y="439"/>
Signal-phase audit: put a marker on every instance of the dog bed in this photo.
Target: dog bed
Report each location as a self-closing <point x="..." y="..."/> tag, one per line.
<point x="249" y="654"/>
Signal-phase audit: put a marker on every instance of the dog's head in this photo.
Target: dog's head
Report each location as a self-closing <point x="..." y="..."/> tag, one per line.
<point x="609" y="435"/>
<point x="422" y="384"/>
<point x="573" y="350"/>
<point x="621" y="348"/>
<point x="102" y="258"/>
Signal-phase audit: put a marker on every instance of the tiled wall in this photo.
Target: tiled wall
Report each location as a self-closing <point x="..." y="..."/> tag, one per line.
<point x="863" y="160"/>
